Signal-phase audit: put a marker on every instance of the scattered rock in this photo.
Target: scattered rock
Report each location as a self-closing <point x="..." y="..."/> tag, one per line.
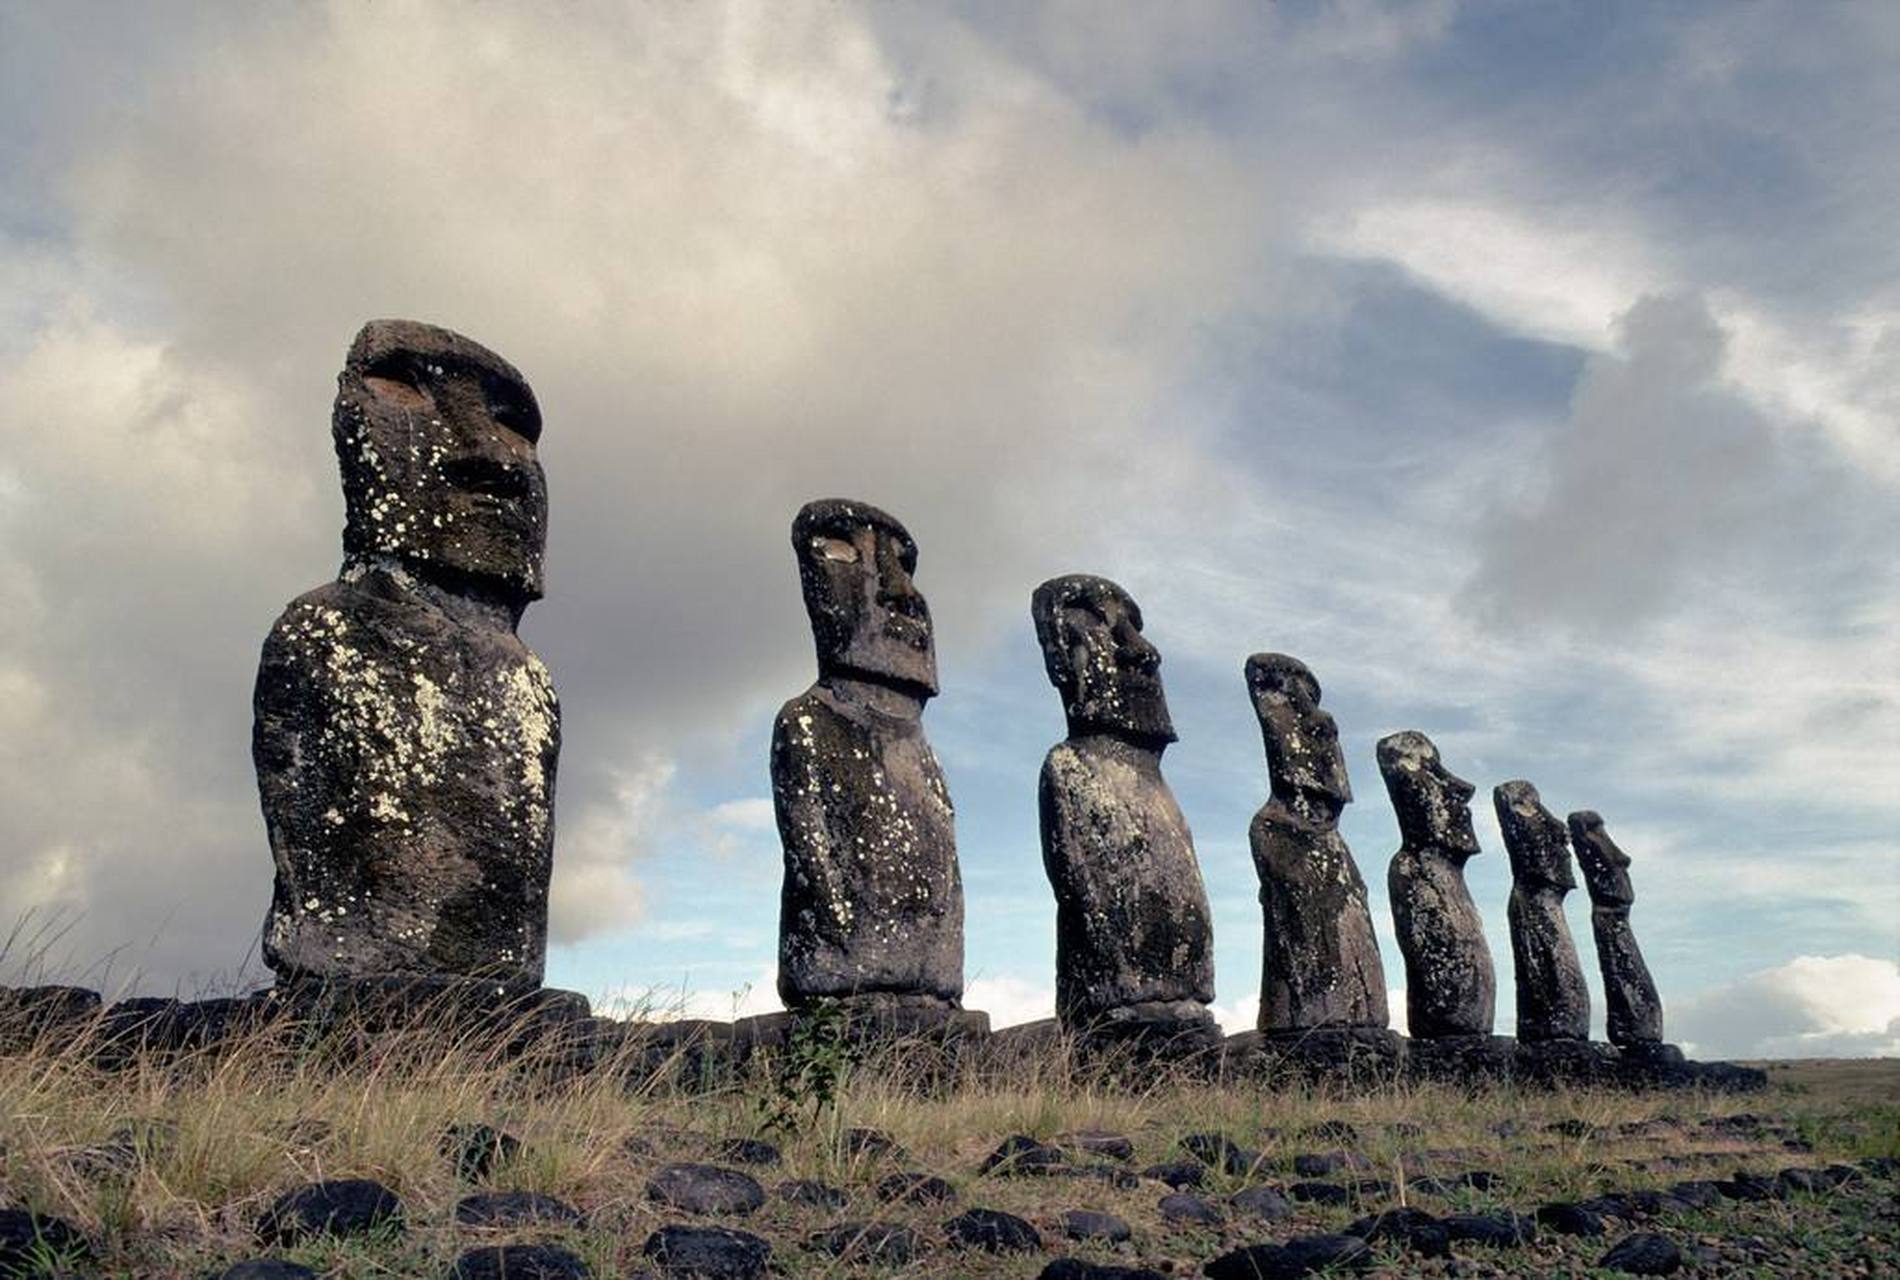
<point x="1335" y="1131"/>
<point x="813" y="1195"/>
<point x="1182" y="1210"/>
<point x="1215" y="1150"/>
<point x="707" y="1253"/>
<point x="519" y="1262"/>
<point x="1479" y="1179"/>
<point x="1096" y="1142"/>
<point x="706" y="1188"/>
<point x="267" y="1269"/>
<point x="477" y="1150"/>
<point x="885" y="1243"/>
<point x="915" y="1188"/>
<point x="873" y="1143"/>
<point x="515" y="1208"/>
<point x="993" y="1231"/>
<point x="1326" y="1163"/>
<point x="1697" y="1194"/>
<point x="1077" y="1269"/>
<point x="28" y="1239"/>
<point x="748" y="1151"/>
<point x="1265" y="1204"/>
<point x="1570" y="1219"/>
<point x="1413" y="1228"/>
<point x="1300" y="1256"/>
<point x="1177" y="1173"/>
<point x="1021" y="1154"/>
<point x="339" y="1207"/>
<point x="1496" y="1230"/>
<point x="1747" y="1187"/>
<point x="1319" y="1193"/>
<point x="1089" y="1224"/>
<point x="1643" y="1254"/>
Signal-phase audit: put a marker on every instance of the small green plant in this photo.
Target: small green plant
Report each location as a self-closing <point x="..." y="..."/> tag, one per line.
<point x="810" y="1072"/>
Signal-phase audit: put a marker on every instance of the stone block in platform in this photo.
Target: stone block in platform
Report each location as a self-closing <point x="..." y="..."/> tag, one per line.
<point x="29" y="1013"/>
<point x="1343" y="1055"/>
<point x="1473" y="1061"/>
<point x="1577" y="1063"/>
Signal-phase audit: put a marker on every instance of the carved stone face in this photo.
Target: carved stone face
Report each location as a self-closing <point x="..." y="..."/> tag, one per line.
<point x="1108" y="674"/>
<point x="1605" y="867"/>
<point x="435" y="436"/>
<point x="1536" y="840"/>
<point x="867" y="616"/>
<point x="1433" y="803"/>
<point x="1303" y="756"/>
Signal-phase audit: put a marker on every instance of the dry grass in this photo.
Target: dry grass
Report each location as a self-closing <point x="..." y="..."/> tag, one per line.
<point x="167" y="1165"/>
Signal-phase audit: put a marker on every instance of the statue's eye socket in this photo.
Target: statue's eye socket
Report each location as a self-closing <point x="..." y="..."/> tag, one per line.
<point x="394" y="378"/>
<point x="511" y="409"/>
<point x="835" y="549"/>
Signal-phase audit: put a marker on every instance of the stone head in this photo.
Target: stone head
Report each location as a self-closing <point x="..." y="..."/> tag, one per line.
<point x="1107" y="672"/>
<point x="868" y="619"/>
<point x="1303" y="756"/>
<point x="435" y="436"/>
<point x="1605" y="866"/>
<point x="1534" y="837"/>
<point x="1433" y="803"/>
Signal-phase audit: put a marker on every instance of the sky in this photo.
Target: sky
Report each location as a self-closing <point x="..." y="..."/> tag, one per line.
<point x="1531" y="372"/>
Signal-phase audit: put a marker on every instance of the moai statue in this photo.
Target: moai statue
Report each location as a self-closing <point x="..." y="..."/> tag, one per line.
<point x="871" y="912"/>
<point x="1450" y="986"/>
<point x="1134" y="943"/>
<point x="1552" y="1001"/>
<point x="1634" y="1008"/>
<point x="1321" y="966"/>
<point x="405" y="738"/>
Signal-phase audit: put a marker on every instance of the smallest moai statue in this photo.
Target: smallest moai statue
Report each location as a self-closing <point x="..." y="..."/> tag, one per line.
<point x="1450" y="986"/>
<point x="1553" y="1002"/>
<point x="1634" y="1009"/>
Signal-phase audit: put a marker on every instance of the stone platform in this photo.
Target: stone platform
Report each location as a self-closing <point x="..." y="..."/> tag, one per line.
<point x="557" y="1031"/>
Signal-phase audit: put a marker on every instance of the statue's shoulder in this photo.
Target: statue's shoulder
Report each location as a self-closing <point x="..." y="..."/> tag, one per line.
<point x="313" y="625"/>
<point x="806" y="721"/>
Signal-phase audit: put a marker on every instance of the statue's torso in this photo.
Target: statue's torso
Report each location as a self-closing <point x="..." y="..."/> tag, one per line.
<point x="1450" y="985"/>
<point x="1320" y="966"/>
<point x="1132" y="920"/>
<point x="872" y="898"/>
<point x="406" y="763"/>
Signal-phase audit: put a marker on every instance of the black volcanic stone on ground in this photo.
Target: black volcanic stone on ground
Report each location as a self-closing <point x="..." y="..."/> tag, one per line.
<point x="1078" y="1269"/>
<point x="1300" y="1256"/>
<point x="882" y="1243"/>
<point x="1553" y="1002"/>
<point x="477" y="1149"/>
<point x="1183" y="1210"/>
<point x="28" y="1013"/>
<point x="815" y="1195"/>
<point x="27" y="1238"/>
<point x="1217" y="1151"/>
<point x="1497" y="1230"/>
<point x="266" y="1269"/>
<point x="1570" y="1219"/>
<point x="514" y="1208"/>
<point x="915" y="1188"/>
<point x="1450" y="985"/>
<point x="1091" y="1224"/>
<point x="872" y="901"/>
<point x="1134" y="942"/>
<point x="1643" y="1254"/>
<point x="873" y="1143"/>
<point x="405" y="739"/>
<point x="1177" y="1173"/>
<point x="1022" y="1154"/>
<point x="1634" y="1009"/>
<point x="1319" y="1193"/>
<point x="705" y="1188"/>
<point x="1266" y="1204"/>
<point x="1748" y="1187"/>
<point x="1320" y="966"/>
<point x="1096" y="1142"/>
<point x="993" y="1231"/>
<point x="749" y="1151"/>
<point x="1409" y="1226"/>
<point x="707" y="1253"/>
<point x="1340" y="1131"/>
<point x="520" y="1262"/>
<point x="339" y="1207"/>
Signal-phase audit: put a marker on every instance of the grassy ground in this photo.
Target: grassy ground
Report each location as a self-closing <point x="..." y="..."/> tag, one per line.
<point x="167" y="1166"/>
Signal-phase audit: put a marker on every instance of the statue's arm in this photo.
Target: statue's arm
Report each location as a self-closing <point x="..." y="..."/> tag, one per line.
<point x="798" y="803"/>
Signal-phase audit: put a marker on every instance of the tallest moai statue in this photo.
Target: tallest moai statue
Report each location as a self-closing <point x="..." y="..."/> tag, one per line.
<point x="871" y="910"/>
<point x="405" y="738"/>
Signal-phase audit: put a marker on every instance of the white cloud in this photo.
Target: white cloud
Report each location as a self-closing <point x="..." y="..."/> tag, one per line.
<point x="1811" y="1007"/>
<point x="1010" y="1001"/>
<point x="594" y="890"/>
